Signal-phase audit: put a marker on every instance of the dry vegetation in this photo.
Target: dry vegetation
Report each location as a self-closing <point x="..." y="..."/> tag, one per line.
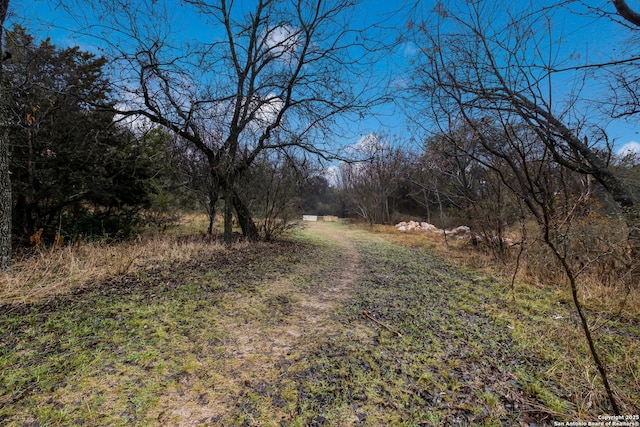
<point x="597" y="244"/>
<point x="44" y="272"/>
<point x="177" y="329"/>
<point x="536" y="287"/>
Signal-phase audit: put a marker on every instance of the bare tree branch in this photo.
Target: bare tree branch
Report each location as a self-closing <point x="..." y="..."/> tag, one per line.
<point x="626" y="12"/>
<point x="276" y="75"/>
<point x="480" y="72"/>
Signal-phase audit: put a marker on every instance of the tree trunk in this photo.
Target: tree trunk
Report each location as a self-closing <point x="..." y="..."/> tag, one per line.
<point x="213" y="200"/>
<point x="212" y="217"/>
<point x="426" y="204"/>
<point x="249" y="229"/>
<point x="583" y="319"/>
<point x="228" y="217"/>
<point x="5" y="193"/>
<point x="5" y="178"/>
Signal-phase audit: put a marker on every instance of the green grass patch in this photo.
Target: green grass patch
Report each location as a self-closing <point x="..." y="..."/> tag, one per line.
<point x="264" y="334"/>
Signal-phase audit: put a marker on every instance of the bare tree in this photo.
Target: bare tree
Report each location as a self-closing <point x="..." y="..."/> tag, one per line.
<point x="5" y="178"/>
<point x="288" y="69"/>
<point x="371" y="183"/>
<point x="455" y="174"/>
<point x="509" y="70"/>
<point x="274" y="191"/>
<point x="494" y="71"/>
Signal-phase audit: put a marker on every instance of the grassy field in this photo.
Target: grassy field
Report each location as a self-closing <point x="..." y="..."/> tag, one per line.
<point x="336" y="326"/>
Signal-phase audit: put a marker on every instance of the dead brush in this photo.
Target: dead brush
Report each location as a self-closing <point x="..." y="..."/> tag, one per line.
<point x="59" y="269"/>
<point x="459" y="252"/>
<point x="605" y="280"/>
<point x="599" y="256"/>
<point x="46" y="272"/>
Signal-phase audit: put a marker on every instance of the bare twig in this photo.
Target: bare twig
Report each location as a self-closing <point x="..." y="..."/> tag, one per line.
<point x="370" y="317"/>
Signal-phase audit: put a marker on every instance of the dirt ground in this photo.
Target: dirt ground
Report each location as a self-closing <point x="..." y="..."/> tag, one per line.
<point x="337" y="326"/>
<point x="256" y="349"/>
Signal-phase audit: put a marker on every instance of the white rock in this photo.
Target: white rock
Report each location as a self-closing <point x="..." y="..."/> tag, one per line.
<point x="459" y="232"/>
<point x="429" y="227"/>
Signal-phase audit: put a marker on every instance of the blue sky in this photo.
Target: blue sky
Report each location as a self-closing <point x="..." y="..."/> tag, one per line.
<point x="601" y="39"/>
<point x="593" y="38"/>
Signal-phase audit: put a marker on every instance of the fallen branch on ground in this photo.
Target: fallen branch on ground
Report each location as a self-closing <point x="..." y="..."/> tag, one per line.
<point x="370" y="317"/>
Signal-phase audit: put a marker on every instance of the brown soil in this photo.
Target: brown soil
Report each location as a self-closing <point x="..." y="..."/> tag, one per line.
<point x="255" y="350"/>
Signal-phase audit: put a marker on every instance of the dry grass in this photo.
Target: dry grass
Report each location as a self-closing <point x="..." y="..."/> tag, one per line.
<point x="193" y="333"/>
<point x="47" y="272"/>
<point x="599" y="252"/>
<point x="540" y="299"/>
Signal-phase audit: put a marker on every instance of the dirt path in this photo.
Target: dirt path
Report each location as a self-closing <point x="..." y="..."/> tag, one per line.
<point x="317" y="307"/>
<point x="310" y="314"/>
<point x="273" y="334"/>
<point x="256" y="352"/>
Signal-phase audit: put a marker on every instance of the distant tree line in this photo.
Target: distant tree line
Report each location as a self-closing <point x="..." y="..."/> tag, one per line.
<point x="80" y="169"/>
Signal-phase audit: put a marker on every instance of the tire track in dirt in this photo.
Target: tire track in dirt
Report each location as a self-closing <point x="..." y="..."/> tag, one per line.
<point x="319" y="306"/>
<point x="257" y="351"/>
<point x="311" y="313"/>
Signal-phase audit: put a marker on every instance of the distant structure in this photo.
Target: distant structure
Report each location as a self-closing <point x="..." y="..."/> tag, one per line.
<point x="314" y="218"/>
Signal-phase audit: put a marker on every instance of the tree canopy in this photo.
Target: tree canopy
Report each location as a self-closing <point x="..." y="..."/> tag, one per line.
<point x="276" y="75"/>
<point x="69" y="158"/>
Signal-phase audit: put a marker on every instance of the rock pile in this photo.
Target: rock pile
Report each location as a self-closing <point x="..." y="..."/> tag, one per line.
<point x="461" y="232"/>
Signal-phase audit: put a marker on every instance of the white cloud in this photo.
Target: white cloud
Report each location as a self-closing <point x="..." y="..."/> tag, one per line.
<point x="370" y="144"/>
<point x="631" y="147"/>
<point x="283" y="42"/>
<point x="268" y="110"/>
<point x="332" y="175"/>
<point x="410" y="50"/>
<point x="136" y="123"/>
